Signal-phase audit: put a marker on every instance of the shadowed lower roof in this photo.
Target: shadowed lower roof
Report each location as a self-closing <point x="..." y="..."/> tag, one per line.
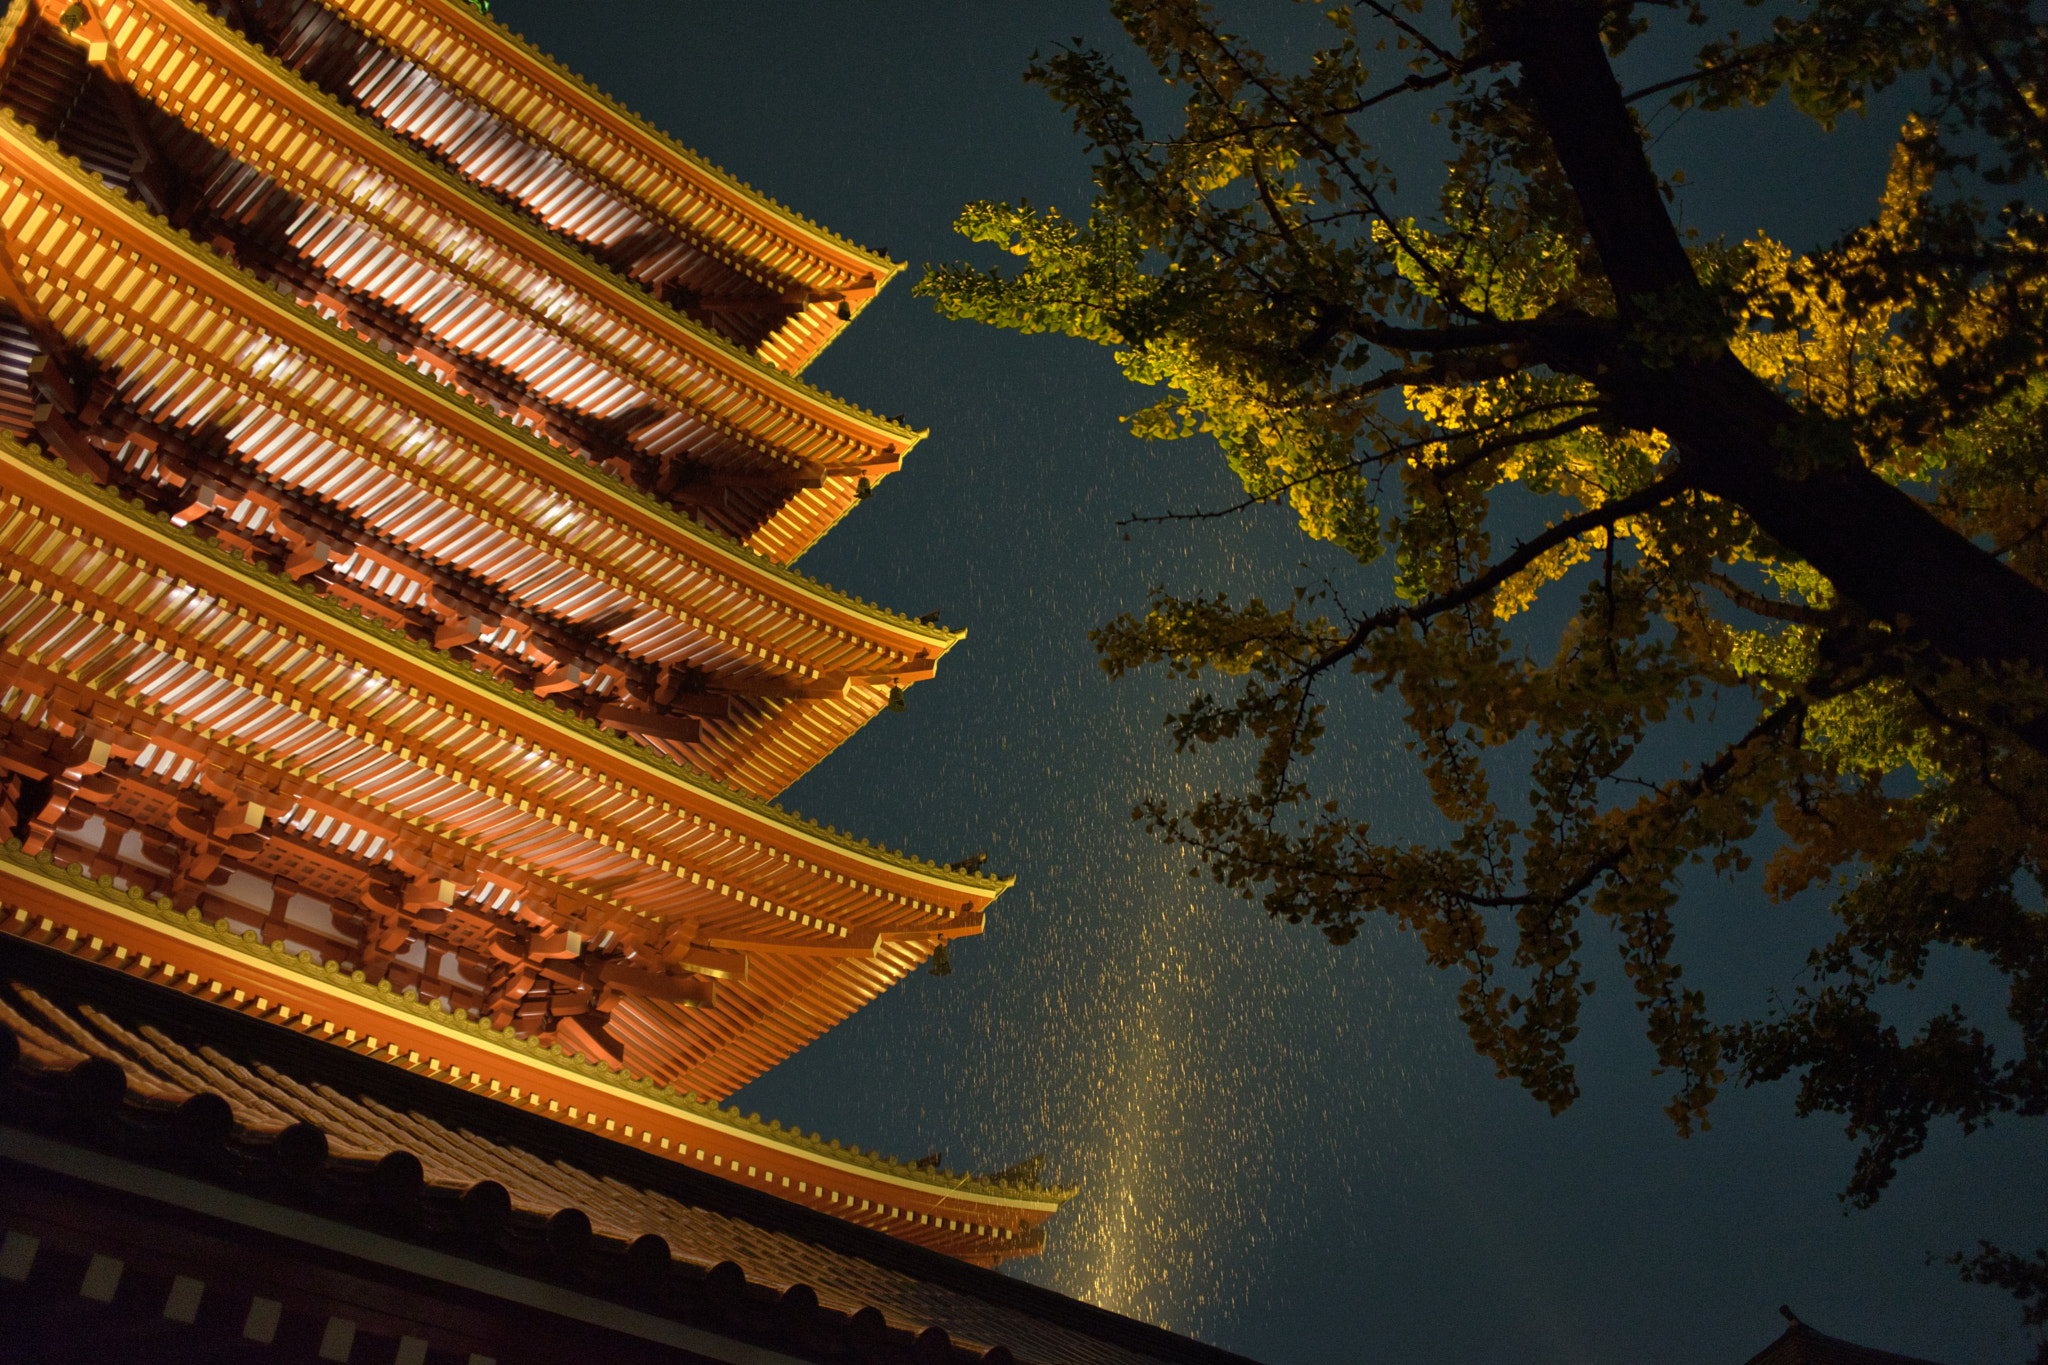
<point x="1802" y="1345"/>
<point x="136" y="1071"/>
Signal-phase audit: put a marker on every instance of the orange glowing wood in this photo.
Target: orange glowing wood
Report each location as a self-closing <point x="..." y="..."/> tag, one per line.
<point x="555" y="109"/>
<point x="182" y="58"/>
<point x="185" y="722"/>
<point x="477" y="734"/>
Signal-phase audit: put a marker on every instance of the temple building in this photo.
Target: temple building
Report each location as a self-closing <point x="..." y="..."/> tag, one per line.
<point x="403" y="452"/>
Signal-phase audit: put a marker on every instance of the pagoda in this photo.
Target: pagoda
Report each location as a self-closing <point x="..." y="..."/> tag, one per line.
<point x="402" y="457"/>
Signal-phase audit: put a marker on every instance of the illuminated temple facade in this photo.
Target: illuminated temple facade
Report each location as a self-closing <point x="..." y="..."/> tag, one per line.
<point x="402" y="454"/>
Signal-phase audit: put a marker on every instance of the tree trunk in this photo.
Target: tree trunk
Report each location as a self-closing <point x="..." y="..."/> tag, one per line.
<point x="1880" y="548"/>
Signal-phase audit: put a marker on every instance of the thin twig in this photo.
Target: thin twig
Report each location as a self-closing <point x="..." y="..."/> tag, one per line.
<point x="1508" y="442"/>
<point x="1651" y="495"/>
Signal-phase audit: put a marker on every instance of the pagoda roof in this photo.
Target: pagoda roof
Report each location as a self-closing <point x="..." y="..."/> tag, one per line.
<point x="133" y="1057"/>
<point x="218" y="692"/>
<point x="1800" y="1344"/>
<point x="97" y="207"/>
<point x="183" y="58"/>
<point x="345" y="731"/>
<point x="325" y="414"/>
<point x="236" y="969"/>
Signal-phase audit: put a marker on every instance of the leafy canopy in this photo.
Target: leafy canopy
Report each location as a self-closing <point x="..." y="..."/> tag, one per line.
<point x="1805" y="490"/>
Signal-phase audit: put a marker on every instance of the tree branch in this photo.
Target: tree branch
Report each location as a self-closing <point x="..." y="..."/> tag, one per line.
<point x="1651" y="495"/>
<point x="1763" y="606"/>
<point x="1498" y="444"/>
<point x="1742" y="440"/>
<point x="1690" y="788"/>
<point x="1689" y="77"/>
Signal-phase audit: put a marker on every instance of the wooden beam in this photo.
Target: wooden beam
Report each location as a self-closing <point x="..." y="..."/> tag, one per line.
<point x="634" y="720"/>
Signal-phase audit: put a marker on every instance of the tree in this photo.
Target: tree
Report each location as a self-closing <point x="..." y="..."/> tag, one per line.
<point x="1806" y="492"/>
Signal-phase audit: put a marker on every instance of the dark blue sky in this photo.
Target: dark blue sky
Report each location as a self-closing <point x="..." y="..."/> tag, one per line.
<point x="1284" y="1148"/>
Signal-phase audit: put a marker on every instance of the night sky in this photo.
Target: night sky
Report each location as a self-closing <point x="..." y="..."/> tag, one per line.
<point x="1283" y="1148"/>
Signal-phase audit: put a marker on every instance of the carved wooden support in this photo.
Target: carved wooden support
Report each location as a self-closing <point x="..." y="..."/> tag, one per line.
<point x="309" y="549"/>
<point x="624" y="981"/>
<point x="635" y="720"/>
<point x="546" y="974"/>
<point x="587" y="1034"/>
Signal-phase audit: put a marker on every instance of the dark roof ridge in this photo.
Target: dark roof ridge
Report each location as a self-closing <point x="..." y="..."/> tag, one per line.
<point x="1800" y="1344"/>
